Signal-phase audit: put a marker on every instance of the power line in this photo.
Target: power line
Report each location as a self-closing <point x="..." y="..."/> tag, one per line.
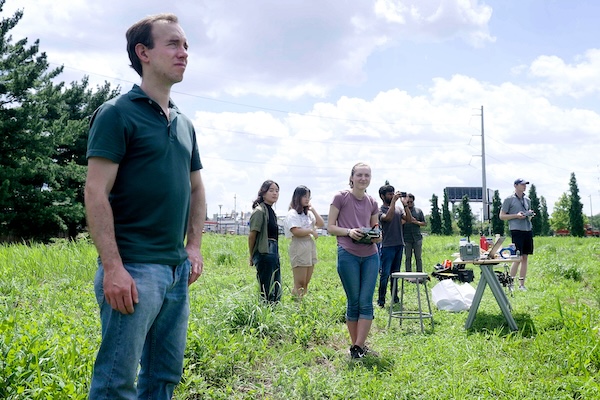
<point x="304" y="166"/>
<point x="327" y="142"/>
<point x="274" y="110"/>
<point x="513" y="147"/>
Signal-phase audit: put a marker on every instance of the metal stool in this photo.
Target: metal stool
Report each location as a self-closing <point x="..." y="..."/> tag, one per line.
<point x="420" y="278"/>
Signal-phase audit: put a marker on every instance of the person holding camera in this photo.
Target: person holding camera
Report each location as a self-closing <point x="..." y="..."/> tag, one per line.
<point x="301" y="223"/>
<point x="516" y="210"/>
<point x="391" y="216"/>
<point x="353" y="218"/>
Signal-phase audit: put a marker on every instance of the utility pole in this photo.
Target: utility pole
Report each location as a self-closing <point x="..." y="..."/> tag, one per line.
<point x="484" y="196"/>
<point x="591" y="213"/>
<point x="235" y="220"/>
<point x="219" y="222"/>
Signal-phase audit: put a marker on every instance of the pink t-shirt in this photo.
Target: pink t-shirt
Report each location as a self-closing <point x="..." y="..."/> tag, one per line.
<point x="355" y="213"/>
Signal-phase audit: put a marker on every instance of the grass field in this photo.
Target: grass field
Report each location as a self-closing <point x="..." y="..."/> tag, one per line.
<point x="238" y="349"/>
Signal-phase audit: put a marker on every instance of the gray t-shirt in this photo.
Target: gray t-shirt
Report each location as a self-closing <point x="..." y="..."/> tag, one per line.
<point x="512" y="205"/>
<point x="392" y="230"/>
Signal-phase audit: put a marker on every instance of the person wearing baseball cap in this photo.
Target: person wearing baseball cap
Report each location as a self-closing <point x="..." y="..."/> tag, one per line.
<point x="516" y="209"/>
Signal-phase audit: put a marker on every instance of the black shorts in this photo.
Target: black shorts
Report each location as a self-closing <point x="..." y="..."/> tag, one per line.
<point x="523" y="241"/>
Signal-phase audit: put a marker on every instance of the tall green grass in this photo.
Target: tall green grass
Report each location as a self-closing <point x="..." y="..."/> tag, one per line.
<point x="240" y="349"/>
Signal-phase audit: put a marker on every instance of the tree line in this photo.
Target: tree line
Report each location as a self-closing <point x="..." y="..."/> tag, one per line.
<point x="43" y="137"/>
<point x="567" y="215"/>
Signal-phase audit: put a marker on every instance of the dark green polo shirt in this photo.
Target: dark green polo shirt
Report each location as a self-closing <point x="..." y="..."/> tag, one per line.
<point x="150" y="198"/>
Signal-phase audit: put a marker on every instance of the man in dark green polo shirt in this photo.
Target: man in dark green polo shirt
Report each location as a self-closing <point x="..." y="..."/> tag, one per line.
<point x="144" y="198"/>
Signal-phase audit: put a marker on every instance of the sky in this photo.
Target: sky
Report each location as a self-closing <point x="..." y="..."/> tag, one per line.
<point x="298" y="91"/>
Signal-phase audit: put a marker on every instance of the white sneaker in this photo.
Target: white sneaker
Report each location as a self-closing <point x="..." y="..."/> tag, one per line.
<point x="522" y="288"/>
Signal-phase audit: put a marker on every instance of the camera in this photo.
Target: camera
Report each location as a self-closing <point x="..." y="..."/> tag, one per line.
<point x="402" y="194"/>
<point x="529" y="213"/>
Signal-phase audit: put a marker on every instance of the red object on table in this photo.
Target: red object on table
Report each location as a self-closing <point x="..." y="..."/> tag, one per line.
<point x="483" y="243"/>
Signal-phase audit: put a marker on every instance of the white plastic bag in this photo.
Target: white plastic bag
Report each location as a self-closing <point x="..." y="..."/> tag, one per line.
<point x="449" y="296"/>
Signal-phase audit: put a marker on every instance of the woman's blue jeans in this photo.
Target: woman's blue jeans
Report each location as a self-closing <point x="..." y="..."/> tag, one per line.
<point x="359" y="277"/>
<point x="153" y="337"/>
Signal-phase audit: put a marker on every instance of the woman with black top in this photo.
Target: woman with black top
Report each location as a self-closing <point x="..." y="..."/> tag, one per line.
<point x="263" y="242"/>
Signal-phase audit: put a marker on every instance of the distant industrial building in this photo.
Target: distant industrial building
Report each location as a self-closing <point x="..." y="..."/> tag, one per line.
<point x="238" y="224"/>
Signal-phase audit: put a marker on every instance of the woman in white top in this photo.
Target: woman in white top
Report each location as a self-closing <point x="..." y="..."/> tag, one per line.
<point x="301" y="225"/>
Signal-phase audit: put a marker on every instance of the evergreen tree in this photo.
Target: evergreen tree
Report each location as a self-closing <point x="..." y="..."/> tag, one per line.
<point x="465" y="217"/>
<point x="79" y="104"/>
<point x="498" y="226"/>
<point x="544" y="217"/>
<point x="23" y="144"/>
<point x="435" y="220"/>
<point x="446" y="217"/>
<point x="536" y="221"/>
<point x="595" y="221"/>
<point x="560" y="215"/>
<point x="43" y="127"/>
<point x="576" y="222"/>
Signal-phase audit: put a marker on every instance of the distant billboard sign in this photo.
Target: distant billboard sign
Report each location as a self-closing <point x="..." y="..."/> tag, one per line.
<point x="456" y="193"/>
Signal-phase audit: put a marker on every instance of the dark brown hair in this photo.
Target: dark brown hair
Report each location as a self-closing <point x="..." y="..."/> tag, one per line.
<point x="296" y="203"/>
<point x="141" y="33"/>
<point x="263" y="189"/>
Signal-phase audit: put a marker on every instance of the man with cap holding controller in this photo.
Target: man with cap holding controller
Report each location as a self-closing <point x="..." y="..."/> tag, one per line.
<point x="516" y="210"/>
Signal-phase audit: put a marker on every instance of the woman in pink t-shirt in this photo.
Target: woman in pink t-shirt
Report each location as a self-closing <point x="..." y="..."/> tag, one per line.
<point x="358" y="263"/>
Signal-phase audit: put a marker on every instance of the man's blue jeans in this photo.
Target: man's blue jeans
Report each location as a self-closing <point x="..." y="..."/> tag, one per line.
<point x="391" y="260"/>
<point x="153" y="337"/>
<point x="359" y="277"/>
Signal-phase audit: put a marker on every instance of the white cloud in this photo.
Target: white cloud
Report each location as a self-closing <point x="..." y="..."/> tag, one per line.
<point x="439" y="21"/>
<point x="579" y="79"/>
<point x="272" y="49"/>
<point x="421" y="144"/>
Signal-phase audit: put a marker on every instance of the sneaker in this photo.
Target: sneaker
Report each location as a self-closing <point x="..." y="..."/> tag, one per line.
<point x="356" y="352"/>
<point x="522" y="288"/>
